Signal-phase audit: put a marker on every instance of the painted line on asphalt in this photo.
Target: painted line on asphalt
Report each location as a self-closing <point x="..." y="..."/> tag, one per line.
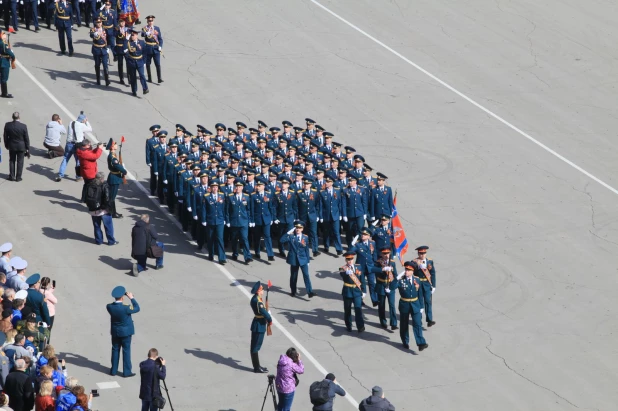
<point x="171" y="218"/>
<point x="108" y="385"/>
<point x="465" y="97"/>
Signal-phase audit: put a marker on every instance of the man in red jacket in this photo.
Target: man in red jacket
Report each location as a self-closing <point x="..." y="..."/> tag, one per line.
<point x="88" y="162"/>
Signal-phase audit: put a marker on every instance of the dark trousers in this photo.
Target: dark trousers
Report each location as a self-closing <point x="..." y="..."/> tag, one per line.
<point x="76" y="13"/>
<point x="16" y="164"/>
<point x="294" y="277"/>
<point x="259" y="231"/>
<point x="358" y="312"/>
<point x="68" y="32"/>
<point x="153" y="178"/>
<point x="57" y="151"/>
<point x="417" y="328"/>
<point x="113" y="192"/>
<point x="425" y="295"/>
<point x="256" y="341"/>
<point x="161" y="186"/>
<point x="31" y="12"/>
<point x="352" y="228"/>
<point x="132" y="70"/>
<point x="392" y="310"/>
<point x="148" y="406"/>
<point x="125" y="344"/>
<point x="101" y="59"/>
<point x="240" y="234"/>
<point x="215" y="241"/>
<point x="10" y="14"/>
<point x="281" y="229"/>
<point x="331" y="233"/>
<point x="311" y="227"/>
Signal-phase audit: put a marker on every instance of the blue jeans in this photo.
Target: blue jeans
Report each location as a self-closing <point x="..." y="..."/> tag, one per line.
<point x="109" y="228"/>
<point x="285" y="401"/>
<point x="141" y="259"/>
<point x="148" y="406"/>
<point x="69" y="151"/>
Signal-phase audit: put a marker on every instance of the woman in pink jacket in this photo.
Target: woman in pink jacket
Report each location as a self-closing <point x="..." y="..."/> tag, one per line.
<point x="47" y="289"/>
<point x="289" y="365"/>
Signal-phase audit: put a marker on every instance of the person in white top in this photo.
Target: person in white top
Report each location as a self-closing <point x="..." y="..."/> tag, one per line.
<point x="75" y="136"/>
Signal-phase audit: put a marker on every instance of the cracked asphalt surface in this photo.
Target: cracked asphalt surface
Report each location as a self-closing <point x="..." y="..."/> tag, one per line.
<point x="524" y="245"/>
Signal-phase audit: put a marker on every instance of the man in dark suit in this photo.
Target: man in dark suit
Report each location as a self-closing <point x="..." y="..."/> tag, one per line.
<point x="122" y="329"/>
<point x="16" y="140"/>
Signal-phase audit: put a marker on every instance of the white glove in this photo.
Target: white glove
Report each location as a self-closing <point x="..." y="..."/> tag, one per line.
<point x="176" y="193"/>
<point x="159" y="48"/>
<point x="388" y="290"/>
<point x="189" y="209"/>
<point x="181" y="201"/>
<point x="422" y="310"/>
<point x="228" y="225"/>
<point x="164" y="181"/>
<point x="317" y="220"/>
<point x="345" y="219"/>
<point x="355" y="240"/>
<point x="364" y="295"/>
<point x="400" y="276"/>
<point x="340" y="218"/>
<point x="156" y="174"/>
<point x="204" y="223"/>
<point x="385" y="269"/>
<point x="44" y="324"/>
<point x="276" y="221"/>
<point x="433" y="289"/>
<point x="321" y="220"/>
<point x="149" y="165"/>
<point x="195" y="217"/>
<point x="271" y="223"/>
<point x="291" y="231"/>
<point x="364" y="216"/>
<point x="21" y="2"/>
<point x="373" y="218"/>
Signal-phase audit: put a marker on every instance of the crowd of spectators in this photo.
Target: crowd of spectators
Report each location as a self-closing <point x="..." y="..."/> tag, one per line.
<point x="32" y="376"/>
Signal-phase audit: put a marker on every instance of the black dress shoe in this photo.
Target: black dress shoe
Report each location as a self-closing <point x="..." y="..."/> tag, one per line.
<point x="271" y="258"/>
<point x="159" y="267"/>
<point x="340" y="252"/>
<point x="257" y="256"/>
<point x="129" y="375"/>
<point x="18" y="180"/>
<point x="114" y="243"/>
<point x="293" y="294"/>
<point x="349" y="330"/>
<point x="282" y="254"/>
<point x="37" y="29"/>
<point x="430" y="323"/>
<point x="223" y="262"/>
<point x="264" y="369"/>
<point x="248" y="260"/>
<point x="422" y="347"/>
<point x="6" y="96"/>
<point x="394" y="327"/>
<point x="160" y="81"/>
<point x="70" y="54"/>
<point x="63" y="52"/>
<point x="10" y="178"/>
<point x="211" y="258"/>
<point x="325" y="250"/>
<point x="259" y="371"/>
<point x="375" y="303"/>
<point x="146" y="91"/>
<point x="364" y="305"/>
<point x="135" y="95"/>
<point x="317" y="253"/>
<point x="360" y="330"/>
<point x="406" y="346"/>
<point x="116" y="215"/>
<point x="384" y="326"/>
<point x="311" y="295"/>
<point x="235" y="257"/>
<point x="58" y="179"/>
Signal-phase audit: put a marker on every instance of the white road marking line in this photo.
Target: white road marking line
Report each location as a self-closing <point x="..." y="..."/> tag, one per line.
<point x="468" y="99"/>
<point x="284" y="331"/>
<point x="108" y="385"/>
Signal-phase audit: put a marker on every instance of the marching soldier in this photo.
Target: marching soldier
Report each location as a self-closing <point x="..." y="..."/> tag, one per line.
<point x="150" y="143"/>
<point x="194" y="197"/>
<point x="213" y="219"/>
<point x="99" y="51"/>
<point x="409" y="305"/>
<point x="386" y="287"/>
<point x="121" y="34"/>
<point x="7" y="61"/>
<point x="381" y="199"/>
<point x="169" y="171"/>
<point x="31" y="14"/>
<point x="331" y="209"/>
<point x="183" y="177"/>
<point x="351" y="292"/>
<point x="366" y="254"/>
<point x="115" y="177"/>
<point x="348" y="162"/>
<point x="63" y="13"/>
<point x="262" y="210"/>
<point x="309" y="212"/>
<point x="382" y="233"/>
<point x="355" y="210"/>
<point x="158" y="163"/>
<point x="154" y="44"/>
<point x="367" y="181"/>
<point x="110" y="20"/>
<point x="287" y="211"/>
<point x="298" y="257"/>
<point x="259" y="324"/>
<point x="134" y="52"/>
<point x="311" y="131"/>
<point x="237" y="213"/>
<point x="425" y="272"/>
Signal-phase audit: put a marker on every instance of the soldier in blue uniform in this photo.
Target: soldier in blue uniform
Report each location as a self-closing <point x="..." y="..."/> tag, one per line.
<point x="110" y="20"/>
<point x="169" y="172"/>
<point x="367" y="181"/>
<point x="150" y="143"/>
<point x="240" y="128"/>
<point x="386" y="287"/>
<point x="154" y="45"/>
<point x="309" y="211"/>
<point x="6" y="58"/>
<point x="99" y="51"/>
<point x="366" y="254"/>
<point x="311" y="131"/>
<point x="158" y="163"/>
<point x="134" y="53"/>
<point x="425" y="273"/>
<point x="193" y="200"/>
<point x="298" y="257"/>
<point x="381" y="198"/>
<point x="357" y="170"/>
<point x="263" y="207"/>
<point x="382" y="234"/>
<point x="122" y="329"/>
<point x="121" y="33"/>
<point x="287" y="211"/>
<point x="355" y="209"/>
<point x="64" y="25"/>
<point x="348" y="162"/>
<point x="261" y="319"/>
<point x="352" y="293"/>
<point x="237" y="213"/>
<point x="331" y="213"/>
<point x="409" y="305"/>
<point x="115" y="177"/>
<point x="31" y="14"/>
<point x="184" y="176"/>
<point x="213" y="219"/>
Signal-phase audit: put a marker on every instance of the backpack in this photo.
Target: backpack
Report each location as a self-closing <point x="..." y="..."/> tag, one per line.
<point x="93" y="196"/>
<point x="319" y="392"/>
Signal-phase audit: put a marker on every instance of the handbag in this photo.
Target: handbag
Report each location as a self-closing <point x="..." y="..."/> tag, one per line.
<point x="152" y="250"/>
<point x="157" y="399"/>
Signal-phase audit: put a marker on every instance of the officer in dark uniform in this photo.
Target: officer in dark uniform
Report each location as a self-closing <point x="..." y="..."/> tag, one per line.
<point x="195" y="197"/>
<point x="351" y="292"/>
<point x="122" y="330"/>
<point x="355" y="209"/>
<point x="158" y="163"/>
<point x="6" y="59"/>
<point x="115" y="177"/>
<point x="381" y="198"/>
<point x="287" y="211"/>
<point x="150" y="143"/>
<point x="183" y="175"/>
<point x="298" y="257"/>
<point x="263" y="209"/>
<point x="237" y="213"/>
<point x="99" y="51"/>
<point x="311" y="131"/>
<point x="382" y="234"/>
<point x="331" y="209"/>
<point x="425" y="273"/>
<point x="121" y="34"/>
<point x="169" y="171"/>
<point x="366" y="254"/>
<point x="110" y="20"/>
<point x="213" y="220"/>
<point x="309" y="211"/>
<point x="154" y="44"/>
<point x="31" y="14"/>
<point x="409" y="305"/>
<point x="386" y="287"/>
<point x="64" y="25"/>
<point x="261" y="320"/>
<point x="134" y="52"/>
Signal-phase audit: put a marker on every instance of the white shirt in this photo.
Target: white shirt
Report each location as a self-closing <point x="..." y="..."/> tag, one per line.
<point x="80" y="129"/>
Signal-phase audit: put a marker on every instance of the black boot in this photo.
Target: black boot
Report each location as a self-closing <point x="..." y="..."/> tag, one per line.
<point x="97" y="70"/>
<point x="255" y="360"/>
<point x="106" y="75"/>
<point x="5" y="92"/>
<point x="149" y="75"/>
<point x="121" y="72"/>
<point x="159" y="79"/>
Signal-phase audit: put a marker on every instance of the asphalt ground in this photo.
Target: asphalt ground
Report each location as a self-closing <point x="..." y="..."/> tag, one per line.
<point x="524" y="243"/>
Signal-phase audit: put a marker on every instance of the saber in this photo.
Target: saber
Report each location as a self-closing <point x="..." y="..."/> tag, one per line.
<point x="269" y="331"/>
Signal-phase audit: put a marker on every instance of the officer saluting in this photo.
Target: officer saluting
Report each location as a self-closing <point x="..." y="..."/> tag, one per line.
<point x="115" y="177"/>
<point x="410" y="306"/>
<point x="99" y="51"/>
<point x="352" y="293"/>
<point x="134" y="52"/>
<point x="154" y="43"/>
<point x="298" y="257"/>
<point x="261" y="319"/>
<point x="425" y="272"/>
<point x="122" y="330"/>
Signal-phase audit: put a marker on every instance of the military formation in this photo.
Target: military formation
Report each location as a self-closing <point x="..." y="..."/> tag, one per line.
<point x="295" y="190"/>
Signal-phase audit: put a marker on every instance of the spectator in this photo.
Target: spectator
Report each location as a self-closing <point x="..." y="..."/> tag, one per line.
<point x="54" y="132"/>
<point x="16" y="350"/>
<point x="45" y="375"/>
<point x="39" y="334"/>
<point x="100" y="212"/>
<point x="376" y="402"/>
<point x="4" y="368"/>
<point x="16" y="279"/>
<point x="70" y="383"/>
<point x="151" y="371"/>
<point x="44" y="400"/>
<point x="289" y="365"/>
<point x="88" y="156"/>
<point x="333" y="389"/>
<point x="59" y="375"/>
<point x="82" y="403"/>
<point x="3" y="282"/>
<point x="18" y="305"/>
<point x="6" y="324"/>
<point x="16" y="140"/>
<point x="5" y="258"/>
<point x="29" y="343"/>
<point x="139" y="244"/>
<point x="47" y="353"/>
<point x="47" y="289"/>
<point x="35" y="300"/>
<point x="4" y="402"/>
<point x="67" y="400"/>
<point x="75" y="137"/>
<point x="19" y="388"/>
<point x="10" y="338"/>
<point x="7" y="299"/>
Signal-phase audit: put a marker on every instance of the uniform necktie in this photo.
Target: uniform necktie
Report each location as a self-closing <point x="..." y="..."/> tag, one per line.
<point x="366" y="243"/>
<point x="215" y="197"/>
<point x="299" y="238"/>
<point x="238" y="197"/>
<point x="307" y="193"/>
<point x="330" y="192"/>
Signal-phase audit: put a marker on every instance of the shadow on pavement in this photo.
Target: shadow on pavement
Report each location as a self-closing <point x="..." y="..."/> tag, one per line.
<point x="55" y="194"/>
<point x="72" y="205"/>
<point x="42" y="170"/>
<point x="80" y="361"/>
<point x="218" y="359"/>
<point x="117" y="263"/>
<point x="64" y="234"/>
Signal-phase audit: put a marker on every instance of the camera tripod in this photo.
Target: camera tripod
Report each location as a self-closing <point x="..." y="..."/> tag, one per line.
<point x="271" y="388"/>
<point x="168" y="395"/>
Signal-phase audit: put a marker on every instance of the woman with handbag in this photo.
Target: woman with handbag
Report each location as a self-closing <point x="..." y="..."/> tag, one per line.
<point x="144" y="245"/>
<point x="287" y="380"/>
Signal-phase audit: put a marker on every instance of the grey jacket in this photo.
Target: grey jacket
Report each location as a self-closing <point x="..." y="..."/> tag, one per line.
<point x="54" y="132"/>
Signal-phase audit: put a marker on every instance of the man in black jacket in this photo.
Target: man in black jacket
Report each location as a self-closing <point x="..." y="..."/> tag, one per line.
<point x="152" y="370"/>
<point x="16" y="140"/>
<point x="376" y="402"/>
<point x="139" y="244"/>
<point x="20" y="388"/>
<point x="333" y="389"/>
<point x="100" y="211"/>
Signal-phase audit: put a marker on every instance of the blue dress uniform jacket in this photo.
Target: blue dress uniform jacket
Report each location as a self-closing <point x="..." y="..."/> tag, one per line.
<point x="36" y="302"/>
<point x="237" y="211"/>
<point x="287" y="207"/>
<point x="409" y="305"/>
<point x="299" y="250"/>
<point x="153" y="41"/>
<point x="99" y="42"/>
<point x="381" y="202"/>
<point x="63" y="13"/>
<point x="355" y="202"/>
<point x="331" y="206"/>
<point x="150" y="143"/>
<point x="368" y="183"/>
<point x="121" y="321"/>
<point x="425" y="296"/>
<point x="261" y="319"/>
<point x="110" y="20"/>
<point x="169" y="171"/>
<point x="365" y="257"/>
<point x="309" y="212"/>
<point x="263" y="208"/>
<point x="120" y="35"/>
<point x="213" y="211"/>
<point x="134" y="53"/>
<point x="116" y="170"/>
<point x="195" y="197"/>
<point x="352" y="295"/>
<point x="386" y="281"/>
<point x="158" y="158"/>
<point x="382" y="237"/>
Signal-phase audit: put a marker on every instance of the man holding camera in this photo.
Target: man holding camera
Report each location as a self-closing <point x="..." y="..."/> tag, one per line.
<point x="122" y="330"/>
<point x="152" y="370"/>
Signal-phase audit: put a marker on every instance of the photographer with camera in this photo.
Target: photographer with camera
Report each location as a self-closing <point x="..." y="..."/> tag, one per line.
<point x="88" y="155"/>
<point x="151" y="371"/>
<point x="322" y="393"/>
<point x="75" y="137"/>
<point x="286" y="382"/>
